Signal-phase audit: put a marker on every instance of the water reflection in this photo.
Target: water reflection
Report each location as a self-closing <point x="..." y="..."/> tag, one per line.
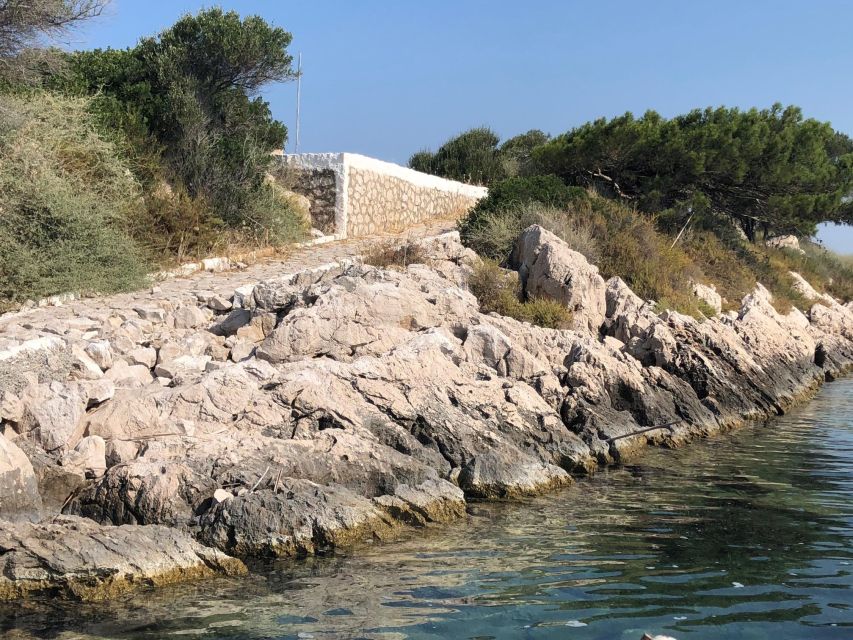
<point x="746" y="536"/>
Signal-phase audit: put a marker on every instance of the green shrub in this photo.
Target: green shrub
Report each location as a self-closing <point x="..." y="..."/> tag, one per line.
<point x="177" y="227"/>
<point x="190" y="93"/>
<point x="67" y="201"/>
<point x="498" y="291"/>
<point x="487" y="226"/>
<point x="472" y="157"/>
<point x="517" y="152"/>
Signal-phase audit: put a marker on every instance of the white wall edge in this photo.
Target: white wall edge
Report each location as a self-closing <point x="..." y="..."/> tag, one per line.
<point x="417" y="178"/>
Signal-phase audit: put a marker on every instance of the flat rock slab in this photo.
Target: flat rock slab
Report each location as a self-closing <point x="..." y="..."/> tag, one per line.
<point x="77" y="558"/>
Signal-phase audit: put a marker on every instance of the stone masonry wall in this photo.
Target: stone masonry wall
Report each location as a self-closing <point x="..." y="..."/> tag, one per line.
<point x="353" y="195"/>
<point x="320" y="188"/>
<point x="383" y="203"/>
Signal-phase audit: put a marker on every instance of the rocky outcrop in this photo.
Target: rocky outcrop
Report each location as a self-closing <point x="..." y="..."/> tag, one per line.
<point x="345" y="403"/>
<point x="784" y="242"/>
<point x="76" y="558"/>
<point x="548" y="268"/>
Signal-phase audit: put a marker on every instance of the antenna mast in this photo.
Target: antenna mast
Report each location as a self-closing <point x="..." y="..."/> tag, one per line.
<point x="298" y="99"/>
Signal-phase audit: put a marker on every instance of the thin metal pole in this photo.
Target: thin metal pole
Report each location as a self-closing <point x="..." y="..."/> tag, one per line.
<point x="678" y="237"/>
<point x="298" y="99"/>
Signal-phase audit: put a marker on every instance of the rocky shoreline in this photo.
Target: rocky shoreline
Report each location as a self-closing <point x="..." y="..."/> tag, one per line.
<point x="168" y="440"/>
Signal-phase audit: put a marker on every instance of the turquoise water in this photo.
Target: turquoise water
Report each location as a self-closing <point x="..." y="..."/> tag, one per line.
<point x="747" y="536"/>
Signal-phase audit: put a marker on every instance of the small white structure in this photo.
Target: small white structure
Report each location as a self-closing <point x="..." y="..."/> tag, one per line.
<point x="353" y="195"/>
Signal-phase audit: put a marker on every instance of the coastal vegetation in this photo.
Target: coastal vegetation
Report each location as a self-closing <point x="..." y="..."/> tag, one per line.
<point x="117" y="161"/>
<point x="668" y="203"/>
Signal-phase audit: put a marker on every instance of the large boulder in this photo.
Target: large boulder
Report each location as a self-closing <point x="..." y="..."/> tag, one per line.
<point x="548" y="268"/>
<point x="144" y="492"/>
<point x="19" y="494"/>
<point x="53" y="415"/>
<point x="296" y="518"/>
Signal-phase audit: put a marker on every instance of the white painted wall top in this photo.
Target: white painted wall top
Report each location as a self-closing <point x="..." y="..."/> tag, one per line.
<point x="338" y="161"/>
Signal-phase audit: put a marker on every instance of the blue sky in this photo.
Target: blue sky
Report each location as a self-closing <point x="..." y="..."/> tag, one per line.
<point x="386" y="78"/>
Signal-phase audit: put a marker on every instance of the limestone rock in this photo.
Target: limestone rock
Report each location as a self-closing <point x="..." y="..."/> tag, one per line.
<point x="78" y="559"/>
<point x="83" y="367"/>
<point x="784" y="242"/>
<point x="380" y="399"/>
<point x="19" y="495"/>
<point x="11" y="407"/>
<point x="155" y="314"/>
<point x="492" y="476"/>
<point x="145" y="356"/>
<point x="301" y="519"/>
<point x="88" y="457"/>
<point x="181" y="364"/>
<point x="52" y="415"/>
<point x="218" y="303"/>
<point x="129" y="376"/>
<point x="242" y="350"/>
<point x="548" y="268"/>
<point x="708" y="294"/>
<point x="233" y="321"/>
<point x="144" y="492"/>
<point x="101" y="352"/>
<point x="189" y="317"/>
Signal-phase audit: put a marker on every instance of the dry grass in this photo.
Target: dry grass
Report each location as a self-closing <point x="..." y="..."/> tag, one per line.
<point x="624" y="242"/>
<point x="392" y="255"/>
<point x="68" y="204"/>
<point x="736" y="269"/>
<point x="618" y="240"/>
<point x="498" y="291"/>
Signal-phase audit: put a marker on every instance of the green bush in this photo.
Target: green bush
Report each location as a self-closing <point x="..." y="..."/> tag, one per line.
<point x="190" y="93"/>
<point x="68" y="203"/>
<point x="517" y="152"/>
<point x="472" y="157"/>
<point x="503" y="205"/>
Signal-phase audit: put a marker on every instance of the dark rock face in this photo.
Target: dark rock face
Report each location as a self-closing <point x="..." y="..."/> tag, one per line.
<point x="319" y="187"/>
<point x="380" y="399"/>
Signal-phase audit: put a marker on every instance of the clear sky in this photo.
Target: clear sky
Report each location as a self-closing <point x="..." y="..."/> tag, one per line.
<point x="388" y="77"/>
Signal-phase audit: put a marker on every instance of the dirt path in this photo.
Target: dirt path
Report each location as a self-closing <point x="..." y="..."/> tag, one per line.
<point x="55" y="319"/>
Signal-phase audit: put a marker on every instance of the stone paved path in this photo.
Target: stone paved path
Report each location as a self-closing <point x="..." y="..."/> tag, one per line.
<point x="174" y="291"/>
